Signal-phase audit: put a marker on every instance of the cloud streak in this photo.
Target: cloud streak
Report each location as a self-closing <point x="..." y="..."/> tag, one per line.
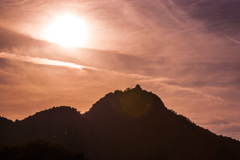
<point x="50" y="62"/>
<point x="11" y="74"/>
<point x="42" y="61"/>
<point x="232" y="39"/>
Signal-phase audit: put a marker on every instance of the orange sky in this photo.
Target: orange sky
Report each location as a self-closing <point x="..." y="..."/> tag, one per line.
<point x="186" y="52"/>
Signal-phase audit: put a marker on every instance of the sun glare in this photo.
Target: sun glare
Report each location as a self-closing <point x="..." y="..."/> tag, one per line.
<point x="67" y="30"/>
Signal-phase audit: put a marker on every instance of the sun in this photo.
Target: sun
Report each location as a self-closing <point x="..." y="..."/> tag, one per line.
<point x="67" y="30"/>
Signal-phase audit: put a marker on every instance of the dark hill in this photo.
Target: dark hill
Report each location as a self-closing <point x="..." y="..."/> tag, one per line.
<point x="59" y="125"/>
<point x="130" y="124"/>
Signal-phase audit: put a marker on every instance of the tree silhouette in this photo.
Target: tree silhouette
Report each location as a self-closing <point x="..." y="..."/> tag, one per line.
<point x="38" y="150"/>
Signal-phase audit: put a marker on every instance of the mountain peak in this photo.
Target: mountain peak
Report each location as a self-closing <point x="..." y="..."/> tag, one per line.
<point x="138" y="87"/>
<point x="132" y="102"/>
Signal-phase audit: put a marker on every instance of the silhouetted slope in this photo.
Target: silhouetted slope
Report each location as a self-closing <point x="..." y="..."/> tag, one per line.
<point x="130" y="124"/>
<point x="135" y="124"/>
<point x="62" y="125"/>
<point x="59" y="125"/>
<point x="6" y="127"/>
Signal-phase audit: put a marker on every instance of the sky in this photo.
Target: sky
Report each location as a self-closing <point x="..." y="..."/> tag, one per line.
<point x="187" y="52"/>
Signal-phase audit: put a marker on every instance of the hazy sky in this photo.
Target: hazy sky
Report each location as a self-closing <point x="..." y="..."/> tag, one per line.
<point x="185" y="51"/>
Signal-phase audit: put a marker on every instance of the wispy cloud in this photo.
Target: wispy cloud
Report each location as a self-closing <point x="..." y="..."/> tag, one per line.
<point x="50" y="62"/>
<point x="42" y="61"/>
<point x="230" y="38"/>
<point x="11" y="74"/>
<point x="142" y="78"/>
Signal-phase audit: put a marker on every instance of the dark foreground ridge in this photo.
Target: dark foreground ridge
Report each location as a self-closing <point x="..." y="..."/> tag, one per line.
<point x="125" y="125"/>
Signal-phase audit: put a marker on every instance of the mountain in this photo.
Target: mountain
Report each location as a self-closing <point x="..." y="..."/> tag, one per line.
<point x="130" y="124"/>
<point x="61" y="125"/>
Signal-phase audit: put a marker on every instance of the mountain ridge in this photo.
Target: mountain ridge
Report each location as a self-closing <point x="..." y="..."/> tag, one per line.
<point x="130" y="124"/>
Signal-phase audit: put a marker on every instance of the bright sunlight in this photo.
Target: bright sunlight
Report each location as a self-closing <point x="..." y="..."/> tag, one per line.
<point x="67" y="30"/>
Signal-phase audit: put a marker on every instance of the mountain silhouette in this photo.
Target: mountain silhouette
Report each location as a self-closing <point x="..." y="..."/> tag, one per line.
<point x="132" y="125"/>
